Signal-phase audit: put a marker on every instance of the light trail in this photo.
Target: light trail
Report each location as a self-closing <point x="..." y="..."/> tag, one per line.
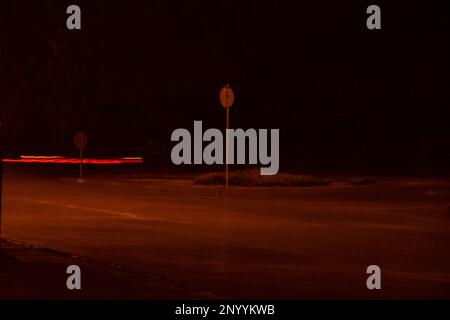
<point x="63" y="160"/>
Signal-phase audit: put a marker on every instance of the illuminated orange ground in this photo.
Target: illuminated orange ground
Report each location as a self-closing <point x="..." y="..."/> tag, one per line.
<point x="253" y="243"/>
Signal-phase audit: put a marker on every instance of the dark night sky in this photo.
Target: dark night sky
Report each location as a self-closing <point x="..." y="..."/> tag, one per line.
<point x="343" y="97"/>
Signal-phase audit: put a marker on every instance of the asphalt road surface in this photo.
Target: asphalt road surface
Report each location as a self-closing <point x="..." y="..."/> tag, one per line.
<point x="291" y="243"/>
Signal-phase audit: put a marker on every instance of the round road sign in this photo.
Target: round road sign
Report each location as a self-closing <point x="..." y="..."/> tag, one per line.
<point x="226" y="96"/>
<point x="81" y="140"/>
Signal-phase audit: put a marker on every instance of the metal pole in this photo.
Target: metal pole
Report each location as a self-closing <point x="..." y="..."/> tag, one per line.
<point x="81" y="159"/>
<point x="226" y="138"/>
<point x="2" y="16"/>
<point x="1" y="195"/>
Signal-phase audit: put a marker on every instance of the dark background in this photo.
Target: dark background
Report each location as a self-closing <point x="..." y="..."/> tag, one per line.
<point x="345" y="98"/>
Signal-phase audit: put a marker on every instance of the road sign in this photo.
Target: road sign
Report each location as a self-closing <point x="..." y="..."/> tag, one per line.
<point x="81" y="140"/>
<point x="226" y="96"/>
<point x="226" y="99"/>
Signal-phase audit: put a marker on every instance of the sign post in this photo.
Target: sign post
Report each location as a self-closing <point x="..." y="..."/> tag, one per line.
<point x="227" y="100"/>
<point x="80" y="143"/>
<point x="1" y="197"/>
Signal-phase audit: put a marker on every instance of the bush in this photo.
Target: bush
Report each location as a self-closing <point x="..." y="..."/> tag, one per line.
<point x="252" y="178"/>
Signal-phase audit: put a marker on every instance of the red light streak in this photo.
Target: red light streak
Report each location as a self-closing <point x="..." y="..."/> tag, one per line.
<point x="62" y="160"/>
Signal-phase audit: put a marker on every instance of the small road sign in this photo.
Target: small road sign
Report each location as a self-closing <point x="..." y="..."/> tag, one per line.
<point x="81" y="140"/>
